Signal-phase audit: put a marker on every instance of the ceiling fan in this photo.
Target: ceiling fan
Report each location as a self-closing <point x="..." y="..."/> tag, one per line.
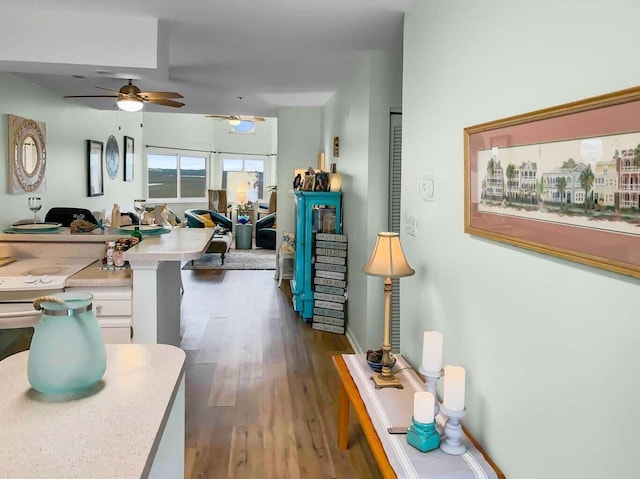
<point x="235" y="120"/>
<point x="130" y="98"/>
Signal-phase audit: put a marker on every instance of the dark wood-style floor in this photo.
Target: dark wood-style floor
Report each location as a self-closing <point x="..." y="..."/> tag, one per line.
<point x="261" y="390"/>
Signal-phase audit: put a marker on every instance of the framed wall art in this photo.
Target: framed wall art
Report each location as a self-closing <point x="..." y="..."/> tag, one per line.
<point x="563" y="181"/>
<point x="95" y="174"/>
<point x="128" y="158"/>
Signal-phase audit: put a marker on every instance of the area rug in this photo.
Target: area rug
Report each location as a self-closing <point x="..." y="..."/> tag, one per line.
<point x="236" y="259"/>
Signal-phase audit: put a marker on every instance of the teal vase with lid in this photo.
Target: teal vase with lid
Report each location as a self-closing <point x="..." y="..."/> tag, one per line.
<point x="67" y="352"/>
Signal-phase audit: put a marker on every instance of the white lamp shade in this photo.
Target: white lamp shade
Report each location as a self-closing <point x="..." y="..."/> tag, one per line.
<point x="129" y="104"/>
<point x="388" y="259"/>
<point x="234" y="122"/>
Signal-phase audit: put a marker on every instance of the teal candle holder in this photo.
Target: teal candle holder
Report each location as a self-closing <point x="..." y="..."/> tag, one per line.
<point x="423" y="437"/>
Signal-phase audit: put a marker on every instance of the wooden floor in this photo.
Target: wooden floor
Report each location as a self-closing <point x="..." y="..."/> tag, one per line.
<point x="261" y="389"/>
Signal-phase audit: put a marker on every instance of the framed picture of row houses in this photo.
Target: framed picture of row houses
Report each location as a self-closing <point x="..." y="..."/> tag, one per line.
<point x="563" y="181"/>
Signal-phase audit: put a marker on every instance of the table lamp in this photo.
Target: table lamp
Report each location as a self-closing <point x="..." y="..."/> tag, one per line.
<point x="388" y="261"/>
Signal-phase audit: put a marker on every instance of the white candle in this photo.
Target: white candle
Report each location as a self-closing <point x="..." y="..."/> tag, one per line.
<point x="432" y="351"/>
<point x="454" y="388"/>
<point x="423" y="407"/>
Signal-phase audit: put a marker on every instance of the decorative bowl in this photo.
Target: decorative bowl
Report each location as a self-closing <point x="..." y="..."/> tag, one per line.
<point x="374" y="359"/>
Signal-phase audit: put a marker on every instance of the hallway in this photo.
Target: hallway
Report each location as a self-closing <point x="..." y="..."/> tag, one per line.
<point x="261" y="388"/>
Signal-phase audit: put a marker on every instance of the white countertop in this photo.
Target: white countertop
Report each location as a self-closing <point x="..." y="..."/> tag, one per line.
<point x="97" y="235"/>
<point x="111" y="431"/>
<point x="182" y="244"/>
<point x="94" y="275"/>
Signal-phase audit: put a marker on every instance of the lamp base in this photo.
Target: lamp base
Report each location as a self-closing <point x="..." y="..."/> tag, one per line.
<point x="381" y="381"/>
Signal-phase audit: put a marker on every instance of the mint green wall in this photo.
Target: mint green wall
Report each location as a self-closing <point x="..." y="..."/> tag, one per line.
<point x="549" y="346"/>
<point x="298" y="147"/>
<point x="359" y="114"/>
<point x="68" y="126"/>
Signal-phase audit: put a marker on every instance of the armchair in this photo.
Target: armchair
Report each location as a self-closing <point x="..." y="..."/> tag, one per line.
<point x="265" y="232"/>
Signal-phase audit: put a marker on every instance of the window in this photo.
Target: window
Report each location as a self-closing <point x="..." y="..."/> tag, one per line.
<point x="254" y="178"/>
<point x="243" y="127"/>
<point x="173" y="176"/>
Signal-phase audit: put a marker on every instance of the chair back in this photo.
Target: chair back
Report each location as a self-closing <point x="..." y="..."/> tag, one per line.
<point x="65" y="216"/>
<point x="218" y="201"/>
<point x="273" y="201"/>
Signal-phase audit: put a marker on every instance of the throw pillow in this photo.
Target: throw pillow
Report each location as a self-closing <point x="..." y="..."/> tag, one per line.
<point x="288" y="242"/>
<point x="206" y="219"/>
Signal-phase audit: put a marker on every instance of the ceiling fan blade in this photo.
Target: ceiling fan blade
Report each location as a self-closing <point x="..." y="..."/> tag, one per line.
<point x="165" y="102"/>
<point x="251" y="118"/>
<point x="108" y="89"/>
<point x="160" y="94"/>
<point x="90" y="96"/>
<point x="219" y="117"/>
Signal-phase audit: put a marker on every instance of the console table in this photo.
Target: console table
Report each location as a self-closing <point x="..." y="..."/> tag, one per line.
<point x="389" y="407"/>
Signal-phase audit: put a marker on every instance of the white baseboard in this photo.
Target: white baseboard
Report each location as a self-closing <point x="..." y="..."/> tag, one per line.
<point x="354" y="344"/>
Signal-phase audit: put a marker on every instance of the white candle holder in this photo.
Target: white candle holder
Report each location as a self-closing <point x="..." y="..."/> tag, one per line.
<point x="431" y="385"/>
<point x="452" y="443"/>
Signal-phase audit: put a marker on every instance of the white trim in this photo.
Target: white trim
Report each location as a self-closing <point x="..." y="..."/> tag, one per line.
<point x="354" y="343"/>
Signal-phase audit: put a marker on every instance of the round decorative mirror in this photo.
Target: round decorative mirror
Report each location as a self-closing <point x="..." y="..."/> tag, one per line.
<point x="27" y="155"/>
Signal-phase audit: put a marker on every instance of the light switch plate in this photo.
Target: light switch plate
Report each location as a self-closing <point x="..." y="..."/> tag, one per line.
<point x="412" y="225"/>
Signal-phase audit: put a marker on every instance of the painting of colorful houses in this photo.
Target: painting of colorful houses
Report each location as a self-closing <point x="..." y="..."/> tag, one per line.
<point x="589" y="182"/>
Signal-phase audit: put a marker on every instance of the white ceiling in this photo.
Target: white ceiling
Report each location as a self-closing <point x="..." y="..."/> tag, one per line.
<point x="272" y="53"/>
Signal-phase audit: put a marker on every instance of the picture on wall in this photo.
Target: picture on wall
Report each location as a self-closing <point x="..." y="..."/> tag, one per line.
<point x="95" y="175"/>
<point x="128" y="158"/>
<point x="562" y="181"/>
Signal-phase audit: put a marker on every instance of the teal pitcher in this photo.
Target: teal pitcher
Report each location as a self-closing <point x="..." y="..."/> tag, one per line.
<point x="67" y="350"/>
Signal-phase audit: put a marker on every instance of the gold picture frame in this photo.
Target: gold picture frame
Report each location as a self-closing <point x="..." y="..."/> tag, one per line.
<point x="562" y="181"/>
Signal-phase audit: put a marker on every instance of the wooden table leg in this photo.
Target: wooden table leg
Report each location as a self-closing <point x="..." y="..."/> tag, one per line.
<point x="343" y="418"/>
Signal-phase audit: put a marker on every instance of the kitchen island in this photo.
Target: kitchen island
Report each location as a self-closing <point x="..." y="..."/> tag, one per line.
<point x="131" y="424"/>
<point x="157" y="284"/>
<point x="155" y="271"/>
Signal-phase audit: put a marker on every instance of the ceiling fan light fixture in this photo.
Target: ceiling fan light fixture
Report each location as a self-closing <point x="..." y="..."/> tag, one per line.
<point x="129" y="104"/>
<point x="234" y="122"/>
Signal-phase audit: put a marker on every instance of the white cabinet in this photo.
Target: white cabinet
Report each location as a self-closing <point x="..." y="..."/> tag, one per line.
<point x="112" y="307"/>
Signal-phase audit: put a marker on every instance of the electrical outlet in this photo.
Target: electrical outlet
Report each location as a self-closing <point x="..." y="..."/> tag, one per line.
<point x="427" y="188"/>
<point x="412" y="225"/>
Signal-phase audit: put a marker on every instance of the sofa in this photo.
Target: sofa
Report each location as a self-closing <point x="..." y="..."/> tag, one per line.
<point x="194" y="219"/>
<point x="221" y="242"/>
<point x="265" y="232"/>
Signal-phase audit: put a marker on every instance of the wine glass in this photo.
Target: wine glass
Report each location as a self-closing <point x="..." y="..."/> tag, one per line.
<point x="35" y="203"/>
<point x="139" y="206"/>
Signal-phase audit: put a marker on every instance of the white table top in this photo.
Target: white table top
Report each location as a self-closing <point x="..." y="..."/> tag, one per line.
<point x="110" y="431"/>
<point x="391" y="407"/>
